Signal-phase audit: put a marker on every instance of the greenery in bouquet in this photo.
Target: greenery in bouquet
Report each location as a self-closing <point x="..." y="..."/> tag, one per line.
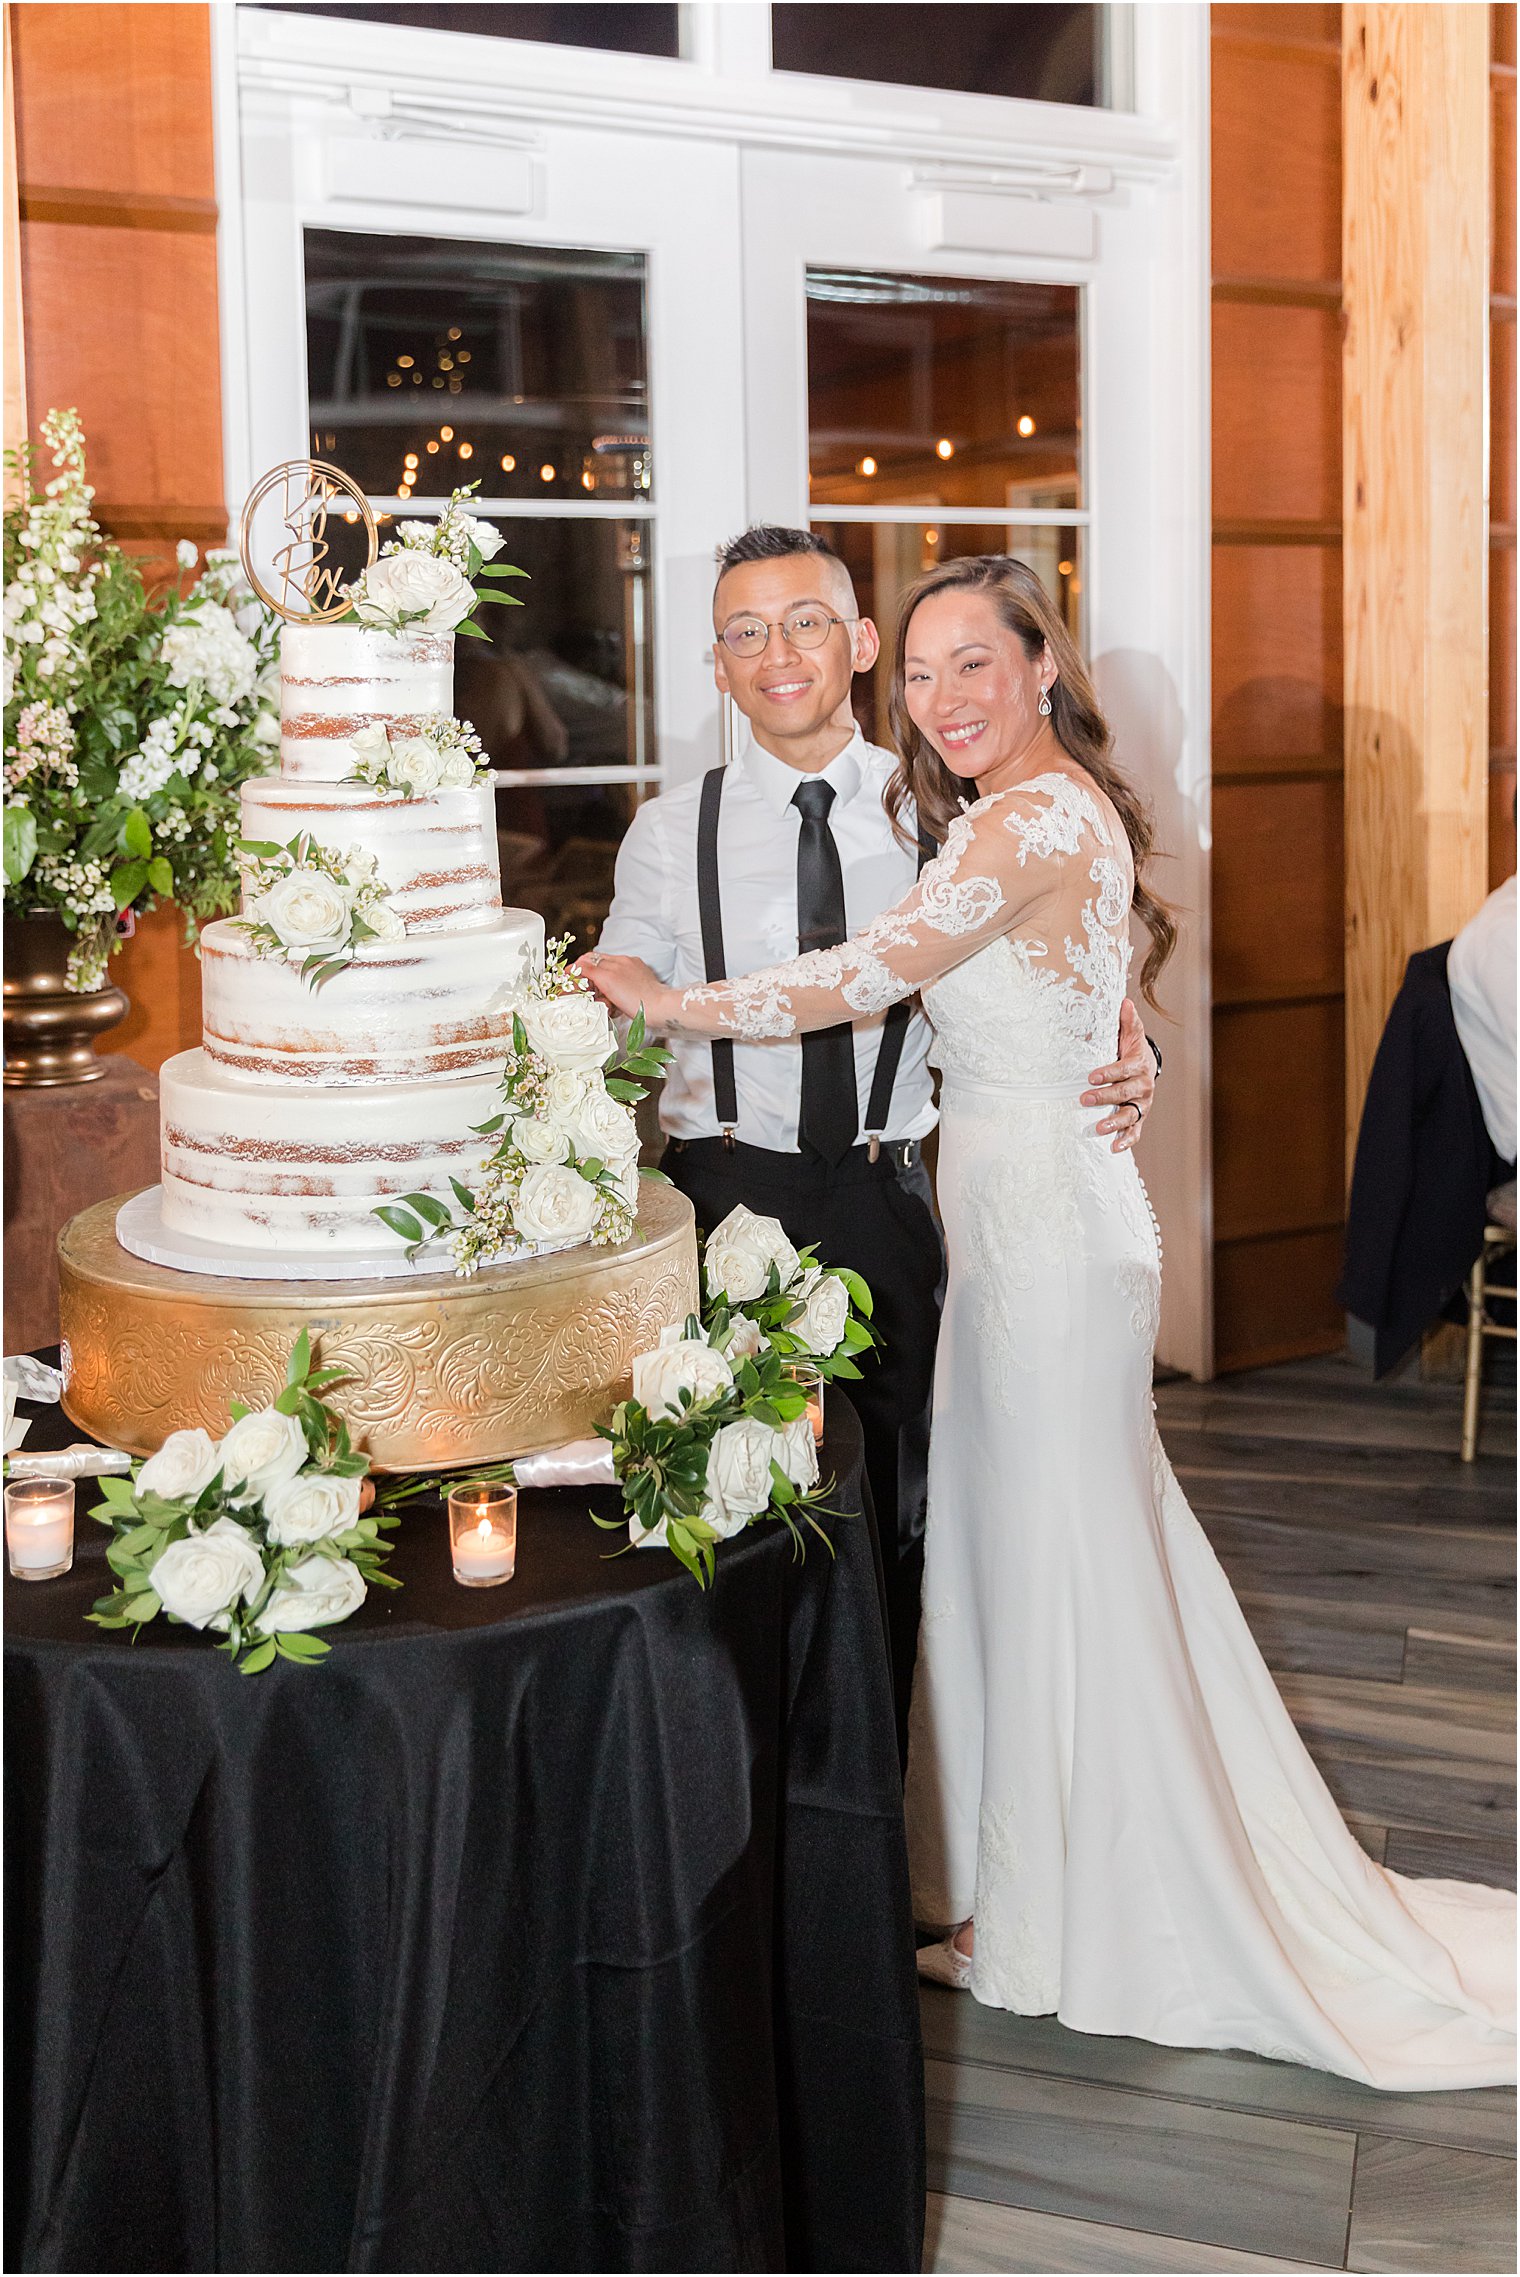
<point x="717" y="1433"/>
<point x="259" y="1536"/>
<point x="313" y="905"/>
<point x="426" y="578"/>
<point x="130" y="722"/>
<point x="565" y="1168"/>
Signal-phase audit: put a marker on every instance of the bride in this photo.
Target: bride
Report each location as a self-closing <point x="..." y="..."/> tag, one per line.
<point x="1104" y="1788"/>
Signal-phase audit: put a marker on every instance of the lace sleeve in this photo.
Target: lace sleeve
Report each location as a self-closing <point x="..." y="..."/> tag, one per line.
<point x="995" y="863"/>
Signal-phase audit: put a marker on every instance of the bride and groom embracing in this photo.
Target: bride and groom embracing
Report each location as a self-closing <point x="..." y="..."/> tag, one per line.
<point x="1103" y="1788"/>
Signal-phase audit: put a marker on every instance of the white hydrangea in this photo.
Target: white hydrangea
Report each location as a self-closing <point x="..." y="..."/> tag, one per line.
<point x="206" y="646"/>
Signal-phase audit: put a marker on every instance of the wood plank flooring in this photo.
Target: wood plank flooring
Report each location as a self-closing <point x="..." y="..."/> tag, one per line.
<point x="1378" y="1575"/>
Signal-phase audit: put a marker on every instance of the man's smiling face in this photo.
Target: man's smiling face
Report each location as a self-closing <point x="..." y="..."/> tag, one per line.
<point x="788" y="692"/>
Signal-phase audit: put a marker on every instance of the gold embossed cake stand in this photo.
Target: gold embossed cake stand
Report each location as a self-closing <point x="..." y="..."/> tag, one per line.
<point x="443" y="1371"/>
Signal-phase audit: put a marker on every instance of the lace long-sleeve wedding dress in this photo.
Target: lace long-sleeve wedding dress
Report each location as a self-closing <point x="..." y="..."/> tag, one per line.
<point x="1101" y="1771"/>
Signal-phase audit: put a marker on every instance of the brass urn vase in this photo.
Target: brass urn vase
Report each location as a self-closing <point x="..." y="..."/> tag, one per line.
<point x="50" y="1031"/>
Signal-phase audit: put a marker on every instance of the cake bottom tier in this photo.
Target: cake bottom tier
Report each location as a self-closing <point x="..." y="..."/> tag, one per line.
<point x="437" y="1372"/>
<point x="264" y="1165"/>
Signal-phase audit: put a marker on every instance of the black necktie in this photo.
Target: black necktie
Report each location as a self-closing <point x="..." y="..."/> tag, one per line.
<point x="830" y="1115"/>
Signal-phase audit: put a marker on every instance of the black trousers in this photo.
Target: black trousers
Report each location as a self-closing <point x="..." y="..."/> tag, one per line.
<point x="879" y="1218"/>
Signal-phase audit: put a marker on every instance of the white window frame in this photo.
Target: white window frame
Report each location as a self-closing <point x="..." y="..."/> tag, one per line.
<point x="287" y="86"/>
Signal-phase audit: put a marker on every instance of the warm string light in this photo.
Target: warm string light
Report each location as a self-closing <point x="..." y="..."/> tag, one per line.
<point x="944" y="448"/>
<point x="866" y="467"/>
<point x="1026" y="425"/>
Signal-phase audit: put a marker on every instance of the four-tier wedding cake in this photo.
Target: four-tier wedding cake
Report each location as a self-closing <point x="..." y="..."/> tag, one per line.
<point x="315" y="1096"/>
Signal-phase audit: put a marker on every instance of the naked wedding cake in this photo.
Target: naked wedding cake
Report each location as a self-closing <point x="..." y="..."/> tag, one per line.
<point x="316" y="1095"/>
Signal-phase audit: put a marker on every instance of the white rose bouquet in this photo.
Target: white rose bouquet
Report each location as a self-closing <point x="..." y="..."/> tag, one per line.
<point x="439" y="754"/>
<point x="566" y="1166"/>
<point x="129" y="723"/>
<point x="260" y="1538"/>
<point x="714" y="1436"/>
<point x="425" y="578"/>
<point x="312" y="905"/>
<point x="717" y="1433"/>
<point x="813" y="1315"/>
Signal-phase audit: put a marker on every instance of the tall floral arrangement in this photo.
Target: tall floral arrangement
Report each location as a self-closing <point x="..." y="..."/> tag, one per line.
<point x="129" y="722"/>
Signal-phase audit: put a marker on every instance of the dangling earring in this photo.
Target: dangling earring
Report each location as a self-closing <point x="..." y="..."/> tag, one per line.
<point x="1044" y="703"/>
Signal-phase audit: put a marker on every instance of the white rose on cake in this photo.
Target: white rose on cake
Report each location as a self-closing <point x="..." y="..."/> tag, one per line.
<point x="456" y="770"/>
<point x="420" y="591"/>
<point x="313" y="1595"/>
<point x="413" y="766"/>
<point x="538" y="1140"/>
<point x="310" y="1509"/>
<point x="381" y="919"/>
<point x="307" y="911"/>
<point x="484" y="536"/>
<point x="570" y="1032"/>
<point x="563" y="1093"/>
<point x="741" y="1252"/>
<point x="603" y="1129"/>
<point x="201" y="1578"/>
<point x="262" y="1450"/>
<point x="555" y="1204"/>
<point x="372" y="744"/>
<point x="661" y="1376"/>
<point x="825" y="1309"/>
<point x="186" y="1463"/>
<point x="739" y="1473"/>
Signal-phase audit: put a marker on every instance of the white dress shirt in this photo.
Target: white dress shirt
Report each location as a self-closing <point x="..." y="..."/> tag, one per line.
<point x="655" y="915"/>
<point x="1481" y="971"/>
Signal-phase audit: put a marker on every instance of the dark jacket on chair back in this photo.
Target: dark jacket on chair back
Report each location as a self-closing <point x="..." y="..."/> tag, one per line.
<point x="1424" y="1166"/>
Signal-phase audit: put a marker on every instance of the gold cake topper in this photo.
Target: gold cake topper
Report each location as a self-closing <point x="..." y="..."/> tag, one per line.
<point x="310" y="586"/>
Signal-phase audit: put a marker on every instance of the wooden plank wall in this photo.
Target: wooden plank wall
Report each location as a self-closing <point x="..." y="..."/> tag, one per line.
<point x="119" y="287"/>
<point x="1501" y="533"/>
<point x="1278" y="865"/>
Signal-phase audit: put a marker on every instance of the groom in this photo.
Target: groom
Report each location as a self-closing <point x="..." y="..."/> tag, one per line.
<point x="788" y="849"/>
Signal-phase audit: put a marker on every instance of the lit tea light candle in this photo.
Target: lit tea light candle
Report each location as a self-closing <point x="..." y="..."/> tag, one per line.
<point x="483" y="1534"/>
<point x="39" y="1527"/>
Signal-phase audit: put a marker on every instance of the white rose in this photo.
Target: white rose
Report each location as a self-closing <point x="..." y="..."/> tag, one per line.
<point x="306" y="910"/>
<point x="661" y="1376"/>
<point x="199" y="1579"/>
<point x="826" y="1308"/>
<point x="456" y="770"/>
<point x="739" y="1469"/>
<point x="741" y="1252"/>
<point x="372" y="743"/>
<point x="413" y="766"/>
<point x="743" y="1341"/>
<point x="381" y="918"/>
<point x="798" y="1452"/>
<point x="261" y="1451"/>
<point x="313" y="1595"/>
<point x="603" y="1129"/>
<point x="484" y="536"/>
<point x="419" y="590"/>
<point x="310" y="1508"/>
<point x="554" y="1204"/>
<point x="563" y="1093"/>
<point x="570" y="1031"/>
<point x="538" y="1140"/>
<point x="186" y="1462"/>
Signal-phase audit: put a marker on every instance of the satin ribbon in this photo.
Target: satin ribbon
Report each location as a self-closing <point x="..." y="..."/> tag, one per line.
<point x="71" y="1462"/>
<point x="581" y="1462"/>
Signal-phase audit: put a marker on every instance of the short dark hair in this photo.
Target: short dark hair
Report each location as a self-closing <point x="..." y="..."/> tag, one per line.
<point x="769" y="541"/>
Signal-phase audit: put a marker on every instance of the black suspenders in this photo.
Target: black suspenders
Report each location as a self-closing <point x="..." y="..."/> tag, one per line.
<point x="710" y="909"/>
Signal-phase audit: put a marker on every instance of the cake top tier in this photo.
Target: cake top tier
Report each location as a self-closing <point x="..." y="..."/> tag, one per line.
<point x="337" y="679"/>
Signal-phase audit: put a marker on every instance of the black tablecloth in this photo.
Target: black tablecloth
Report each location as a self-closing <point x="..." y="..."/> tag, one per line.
<point x="560" y="1926"/>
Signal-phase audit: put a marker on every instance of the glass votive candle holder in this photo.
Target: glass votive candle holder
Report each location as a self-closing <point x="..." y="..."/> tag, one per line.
<point x="39" y="1527"/>
<point x="483" y="1533"/>
<point x="815" y="1407"/>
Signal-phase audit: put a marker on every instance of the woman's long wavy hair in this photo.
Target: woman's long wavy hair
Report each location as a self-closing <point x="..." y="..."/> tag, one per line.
<point x="1076" y="720"/>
